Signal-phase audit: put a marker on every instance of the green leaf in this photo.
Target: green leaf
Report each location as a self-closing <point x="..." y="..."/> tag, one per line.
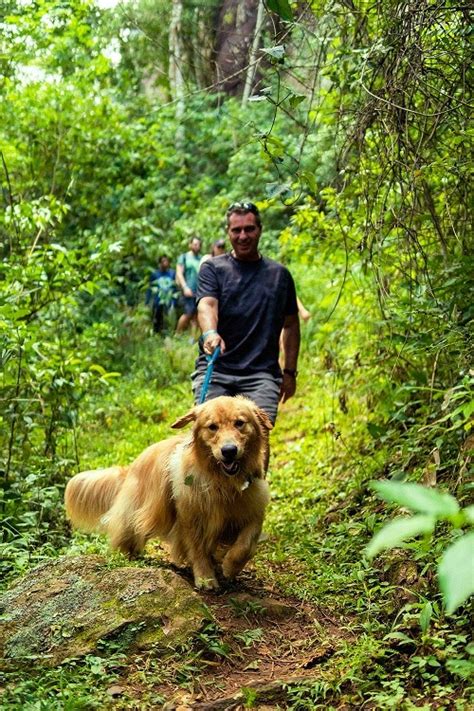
<point x="398" y="531"/>
<point x="253" y="666"/>
<point x="456" y="572"/>
<point x="278" y="51"/>
<point x="282" y="8"/>
<point x="417" y="498"/>
<point x="296" y="99"/>
<point x="469" y="513"/>
<point x="310" y="180"/>
<point x="375" y="430"/>
<point x="425" y="616"/>
<point x="463" y="668"/>
<point x="274" y="146"/>
<point x="111" y="375"/>
<point x="276" y="189"/>
<point x="97" y="368"/>
<point x="399" y="637"/>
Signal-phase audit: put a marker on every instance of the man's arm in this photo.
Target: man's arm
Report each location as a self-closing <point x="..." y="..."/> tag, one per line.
<point x="181" y="281"/>
<point x="291" y="346"/>
<point x="207" y="320"/>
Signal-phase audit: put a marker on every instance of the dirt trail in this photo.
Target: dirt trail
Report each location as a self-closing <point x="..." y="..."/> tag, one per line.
<point x="270" y="641"/>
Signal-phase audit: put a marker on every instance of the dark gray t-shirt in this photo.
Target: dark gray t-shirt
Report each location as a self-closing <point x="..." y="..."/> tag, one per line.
<point x="254" y="299"/>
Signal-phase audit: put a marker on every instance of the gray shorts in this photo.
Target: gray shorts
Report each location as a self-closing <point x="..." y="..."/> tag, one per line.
<point x="262" y="388"/>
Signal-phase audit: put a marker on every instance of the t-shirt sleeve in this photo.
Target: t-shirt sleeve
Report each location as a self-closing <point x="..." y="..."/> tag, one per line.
<point x="291" y="303"/>
<point x="182" y="260"/>
<point x="207" y="281"/>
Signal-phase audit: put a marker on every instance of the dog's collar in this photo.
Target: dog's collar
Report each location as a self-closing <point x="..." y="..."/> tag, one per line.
<point x="247" y="482"/>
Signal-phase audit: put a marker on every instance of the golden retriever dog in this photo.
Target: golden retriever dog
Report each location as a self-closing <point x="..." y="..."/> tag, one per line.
<point x="197" y="493"/>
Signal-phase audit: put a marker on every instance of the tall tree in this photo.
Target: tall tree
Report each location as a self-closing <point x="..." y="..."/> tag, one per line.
<point x="235" y="29"/>
<point x="251" y="68"/>
<point x="176" y="77"/>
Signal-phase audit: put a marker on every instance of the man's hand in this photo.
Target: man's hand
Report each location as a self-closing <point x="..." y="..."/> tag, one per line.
<point x="187" y="292"/>
<point x="207" y="320"/>
<point x="288" y="387"/>
<point x="211" y="342"/>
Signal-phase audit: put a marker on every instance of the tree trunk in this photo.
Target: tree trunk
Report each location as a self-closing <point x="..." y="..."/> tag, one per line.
<point x="175" y="74"/>
<point x="253" y="53"/>
<point x="202" y="48"/>
<point x="236" y="26"/>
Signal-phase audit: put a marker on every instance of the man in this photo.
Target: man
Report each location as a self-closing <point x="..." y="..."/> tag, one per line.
<point x="245" y="301"/>
<point x="218" y="248"/>
<point x="186" y="276"/>
<point x="161" y="293"/>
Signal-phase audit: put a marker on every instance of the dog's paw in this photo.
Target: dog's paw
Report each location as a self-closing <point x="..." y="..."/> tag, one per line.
<point x="209" y="583"/>
<point x="232" y="565"/>
<point x="230" y="570"/>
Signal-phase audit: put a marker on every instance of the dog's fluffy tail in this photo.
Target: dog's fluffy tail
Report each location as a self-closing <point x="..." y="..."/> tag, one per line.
<point x="89" y="495"/>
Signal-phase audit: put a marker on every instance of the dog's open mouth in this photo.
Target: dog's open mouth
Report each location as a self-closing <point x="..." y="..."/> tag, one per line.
<point x="230" y="468"/>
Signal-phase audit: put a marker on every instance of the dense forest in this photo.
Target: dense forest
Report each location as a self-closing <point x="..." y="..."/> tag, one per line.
<point x="128" y="128"/>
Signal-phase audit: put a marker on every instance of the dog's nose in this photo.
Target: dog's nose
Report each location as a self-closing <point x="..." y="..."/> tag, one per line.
<point x="229" y="452"/>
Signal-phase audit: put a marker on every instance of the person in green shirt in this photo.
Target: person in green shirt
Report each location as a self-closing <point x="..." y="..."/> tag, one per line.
<point x="187" y="270"/>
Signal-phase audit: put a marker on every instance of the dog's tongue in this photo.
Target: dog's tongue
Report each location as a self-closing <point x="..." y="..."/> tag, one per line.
<point x="230" y="467"/>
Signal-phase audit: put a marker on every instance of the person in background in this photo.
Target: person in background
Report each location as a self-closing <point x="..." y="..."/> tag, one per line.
<point x="303" y="311"/>
<point x="161" y="293"/>
<point x="186" y="277"/>
<point x="245" y="301"/>
<point x="218" y="248"/>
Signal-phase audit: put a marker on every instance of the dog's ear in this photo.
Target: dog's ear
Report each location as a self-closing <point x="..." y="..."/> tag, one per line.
<point x="263" y="418"/>
<point x="184" y="420"/>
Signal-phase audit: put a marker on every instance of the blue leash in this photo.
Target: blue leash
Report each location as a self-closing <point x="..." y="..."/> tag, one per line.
<point x="207" y="378"/>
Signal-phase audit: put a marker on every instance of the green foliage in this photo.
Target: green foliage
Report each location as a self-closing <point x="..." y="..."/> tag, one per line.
<point x="249" y="637"/>
<point x="418" y="498"/>
<point x="398" y="531"/>
<point x="282" y="8"/>
<point x="456" y="572"/>
<point x="141" y="28"/>
<point x="456" y="567"/>
<point x="63" y="688"/>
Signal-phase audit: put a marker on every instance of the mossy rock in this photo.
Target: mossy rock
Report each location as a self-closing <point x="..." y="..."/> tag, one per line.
<point x="73" y="606"/>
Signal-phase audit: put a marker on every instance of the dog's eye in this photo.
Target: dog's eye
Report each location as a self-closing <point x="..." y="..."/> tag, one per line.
<point x="239" y="423"/>
<point x="213" y="427"/>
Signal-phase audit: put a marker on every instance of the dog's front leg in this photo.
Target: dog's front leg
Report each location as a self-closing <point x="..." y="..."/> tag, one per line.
<point x="241" y="551"/>
<point x="204" y="575"/>
<point x="203" y="569"/>
<point x="197" y="554"/>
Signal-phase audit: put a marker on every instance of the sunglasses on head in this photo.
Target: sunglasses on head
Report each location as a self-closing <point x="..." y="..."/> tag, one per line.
<point x="249" y="206"/>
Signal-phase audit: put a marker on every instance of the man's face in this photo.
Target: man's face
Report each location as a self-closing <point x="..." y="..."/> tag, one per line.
<point x="164" y="264"/>
<point x="195" y="245"/>
<point x="244" y="234"/>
